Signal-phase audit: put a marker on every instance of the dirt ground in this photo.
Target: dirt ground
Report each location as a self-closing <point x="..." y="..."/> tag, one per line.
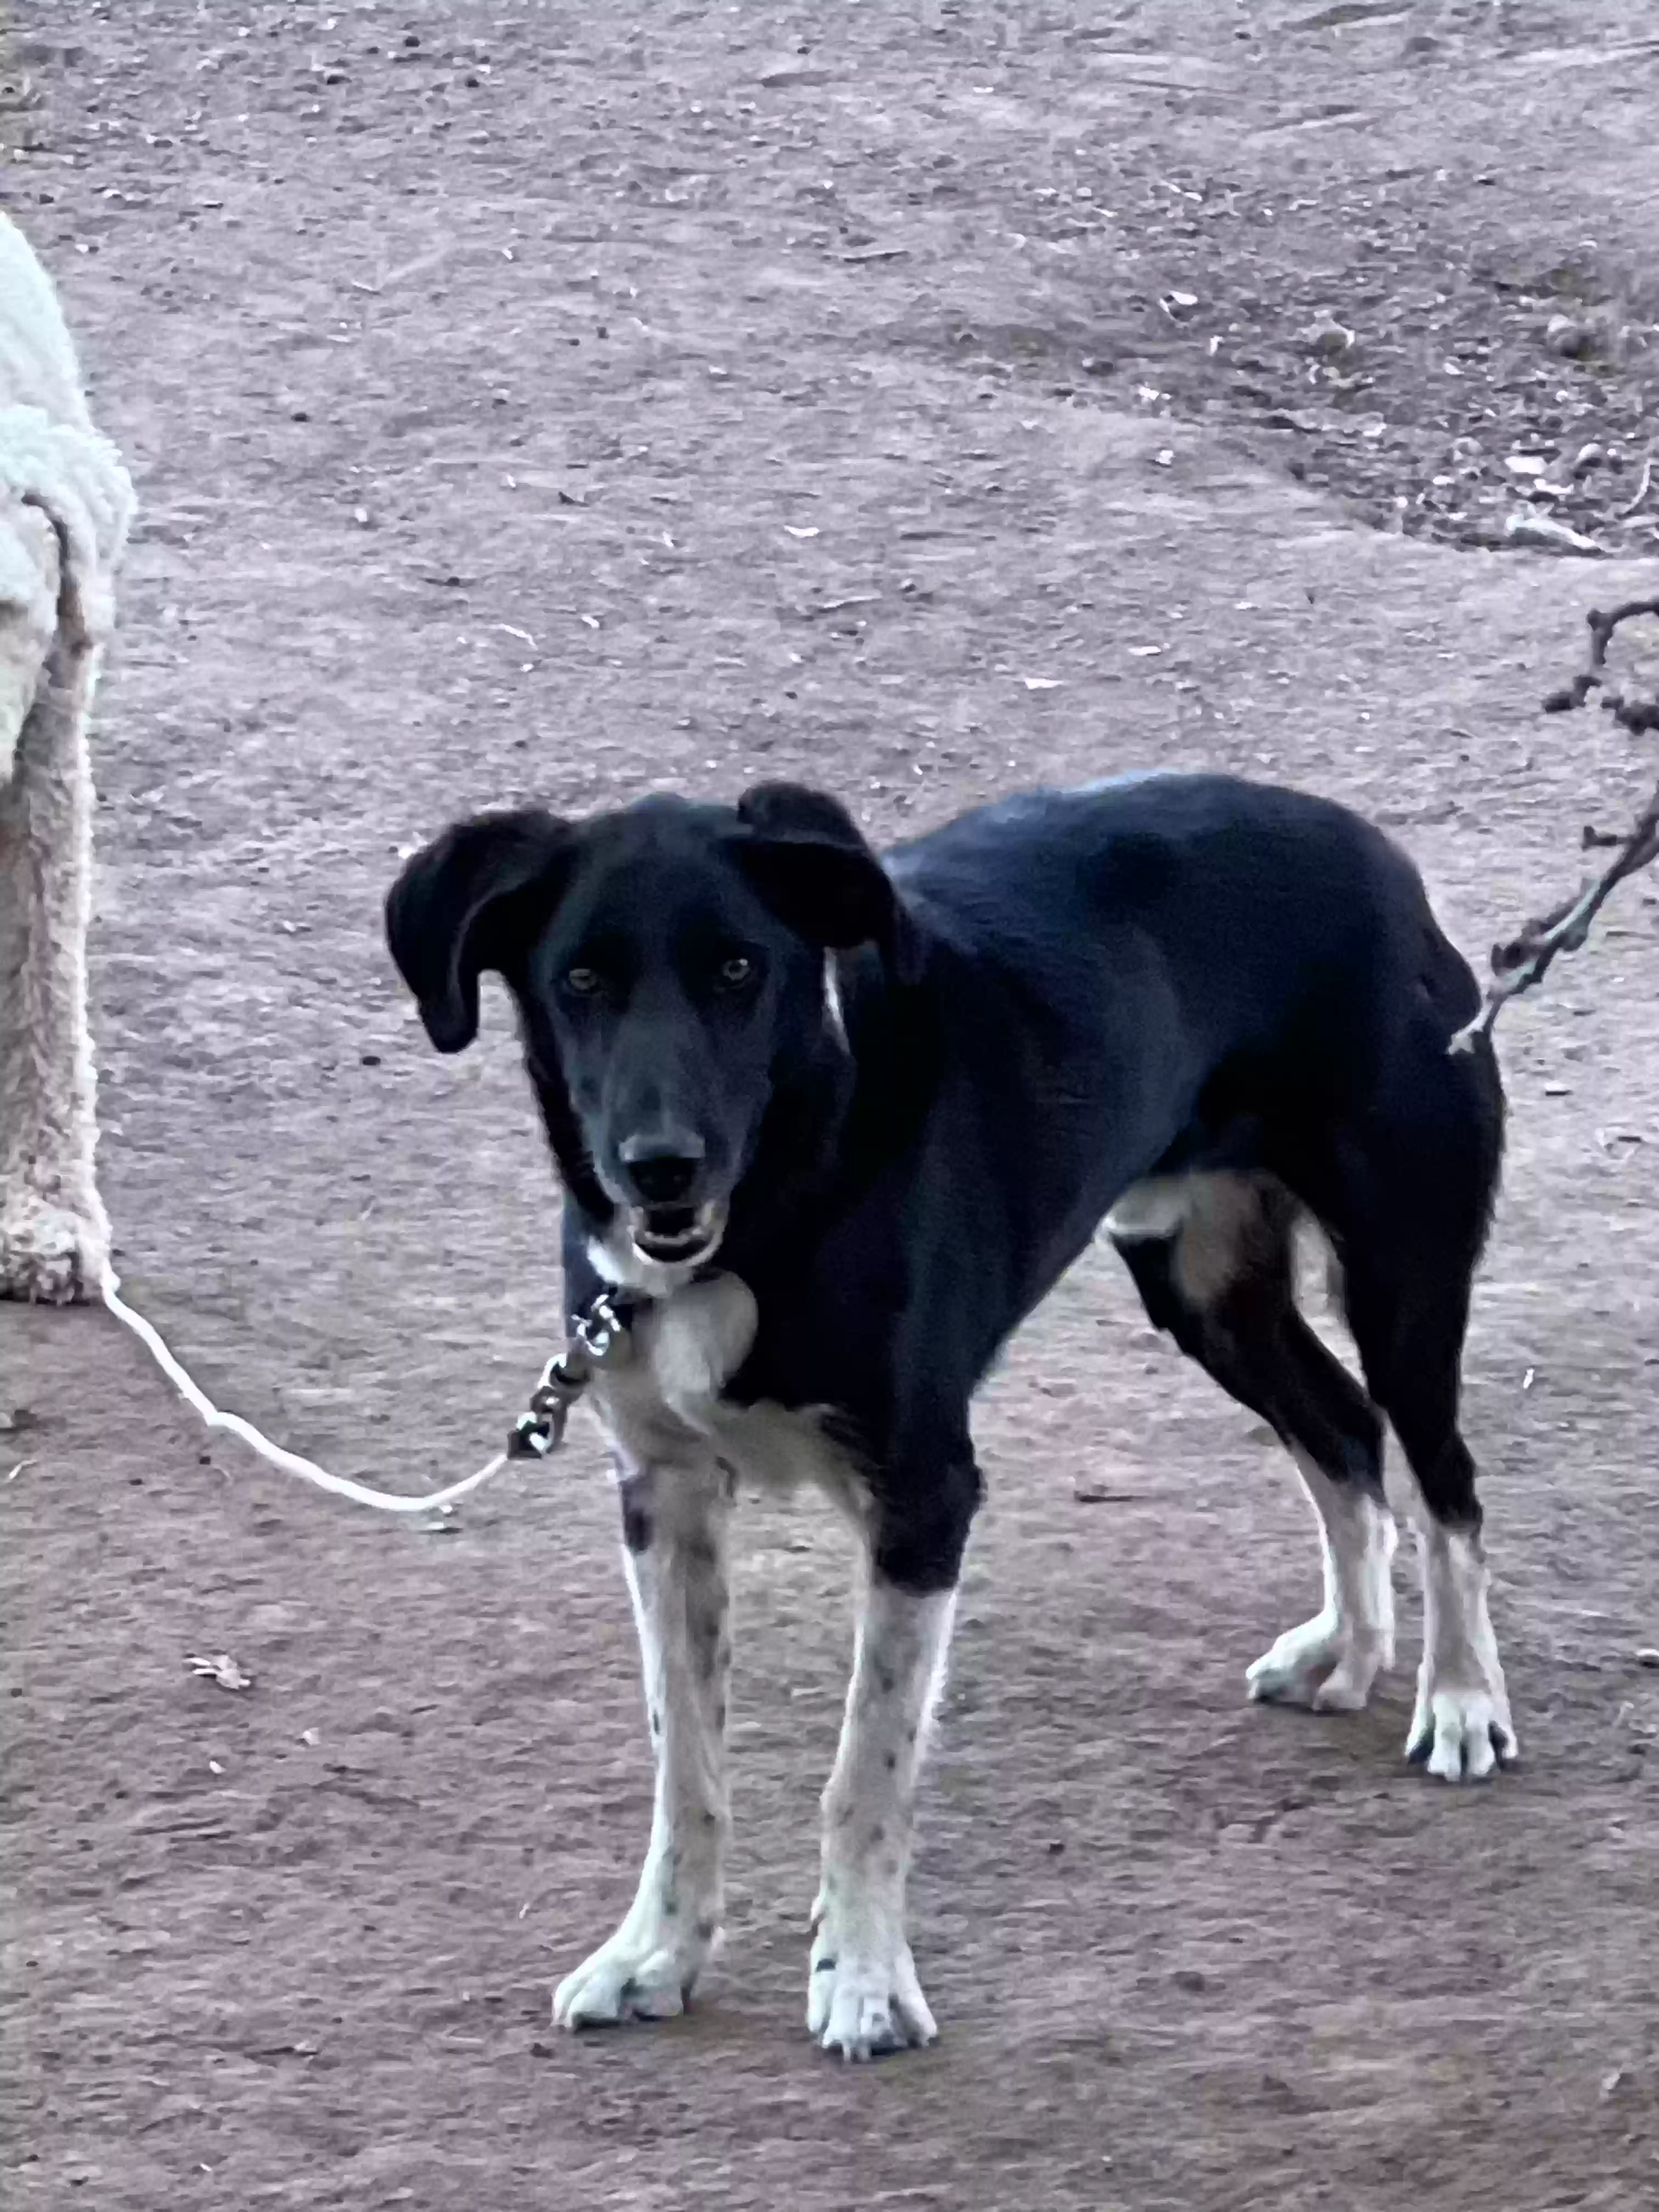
<point x="925" y="399"/>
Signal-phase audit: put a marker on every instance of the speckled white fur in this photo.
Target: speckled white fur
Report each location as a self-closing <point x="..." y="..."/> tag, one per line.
<point x="680" y="1451"/>
<point x="678" y="1581"/>
<point x="863" y="1996"/>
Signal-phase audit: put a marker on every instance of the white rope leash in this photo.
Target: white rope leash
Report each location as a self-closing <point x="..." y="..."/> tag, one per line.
<point x="383" y="1501"/>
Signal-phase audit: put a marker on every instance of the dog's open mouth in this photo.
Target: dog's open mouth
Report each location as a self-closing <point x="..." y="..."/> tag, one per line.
<point x="674" y="1235"/>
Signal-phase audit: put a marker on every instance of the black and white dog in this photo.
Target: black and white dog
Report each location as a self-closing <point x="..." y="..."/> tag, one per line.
<point x="838" y="1122"/>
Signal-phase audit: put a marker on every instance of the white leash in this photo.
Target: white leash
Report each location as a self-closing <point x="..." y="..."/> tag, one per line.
<point x="383" y="1501"/>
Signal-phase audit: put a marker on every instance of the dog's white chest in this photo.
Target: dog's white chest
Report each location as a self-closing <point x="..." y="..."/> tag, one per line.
<point x="662" y="1405"/>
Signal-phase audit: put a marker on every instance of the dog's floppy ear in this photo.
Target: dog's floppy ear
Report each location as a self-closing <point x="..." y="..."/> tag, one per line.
<point x="807" y="858"/>
<point x="459" y="904"/>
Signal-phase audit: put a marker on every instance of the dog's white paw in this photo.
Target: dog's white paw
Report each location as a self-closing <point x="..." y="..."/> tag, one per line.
<point x="1320" y="1665"/>
<point x="1460" y="1734"/>
<point x="1330" y="1662"/>
<point x="647" y="1970"/>
<point x="1461" y="1730"/>
<point x="863" y="1999"/>
<point x="50" y="1256"/>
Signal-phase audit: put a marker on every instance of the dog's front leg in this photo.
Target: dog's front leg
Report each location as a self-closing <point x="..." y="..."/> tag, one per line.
<point x="675" y="1524"/>
<point x="863" y="1997"/>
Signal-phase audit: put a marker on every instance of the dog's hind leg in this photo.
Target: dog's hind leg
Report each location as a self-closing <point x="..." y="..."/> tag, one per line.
<point x="1211" y="1256"/>
<point x="1410" y="1332"/>
<point x="675" y="1527"/>
<point x="1415" y="1215"/>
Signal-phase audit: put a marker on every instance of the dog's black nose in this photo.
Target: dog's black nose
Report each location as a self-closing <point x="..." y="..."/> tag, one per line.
<point x="663" y="1169"/>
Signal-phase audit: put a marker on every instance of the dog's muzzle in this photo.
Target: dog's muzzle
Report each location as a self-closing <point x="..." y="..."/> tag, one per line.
<point x="677" y="1236"/>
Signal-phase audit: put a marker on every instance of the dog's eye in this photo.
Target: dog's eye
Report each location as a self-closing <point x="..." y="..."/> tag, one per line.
<point x="583" y="983"/>
<point x="735" y="973"/>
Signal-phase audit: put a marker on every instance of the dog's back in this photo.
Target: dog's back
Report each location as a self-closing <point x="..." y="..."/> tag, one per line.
<point x="1248" y="891"/>
<point x="1206" y="962"/>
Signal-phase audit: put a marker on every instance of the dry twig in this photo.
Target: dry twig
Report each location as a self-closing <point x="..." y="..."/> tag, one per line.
<point x="1516" y="966"/>
<point x="1641" y="489"/>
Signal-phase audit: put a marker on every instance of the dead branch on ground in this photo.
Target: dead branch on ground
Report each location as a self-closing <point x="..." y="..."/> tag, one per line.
<point x="1525" y="960"/>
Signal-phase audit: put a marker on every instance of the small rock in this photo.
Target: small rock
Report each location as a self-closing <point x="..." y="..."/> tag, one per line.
<point x="1326" y="336"/>
<point x="1566" y="336"/>
<point x="1648" y="1655"/>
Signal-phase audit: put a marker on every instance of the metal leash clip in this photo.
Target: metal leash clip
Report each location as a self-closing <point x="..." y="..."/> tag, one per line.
<point x="601" y="1335"/>
<point x="602" y="1329"/>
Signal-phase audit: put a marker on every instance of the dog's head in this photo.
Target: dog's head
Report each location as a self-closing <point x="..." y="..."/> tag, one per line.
<point x="668" y="961"/>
